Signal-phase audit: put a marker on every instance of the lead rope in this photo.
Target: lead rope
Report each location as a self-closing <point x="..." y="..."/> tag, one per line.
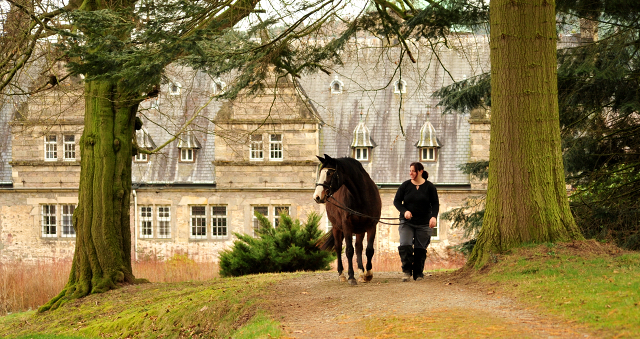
<point x="354" y="212"/>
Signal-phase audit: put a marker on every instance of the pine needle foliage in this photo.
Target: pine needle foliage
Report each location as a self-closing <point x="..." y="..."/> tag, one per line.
<point x="289" y="247"/>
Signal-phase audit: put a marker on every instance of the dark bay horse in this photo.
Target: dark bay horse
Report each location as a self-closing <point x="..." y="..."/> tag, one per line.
<point x="343" y="183"/>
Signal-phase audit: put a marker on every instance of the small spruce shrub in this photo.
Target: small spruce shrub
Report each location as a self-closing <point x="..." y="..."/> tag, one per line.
<point x="290" y="247"/>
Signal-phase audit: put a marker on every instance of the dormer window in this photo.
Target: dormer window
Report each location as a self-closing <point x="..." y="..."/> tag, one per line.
<point x="428" y="154"/>
<point x="154" y="103"/>
<point x="400" y="87"/>
<point x="362" y="143"/>
<point x="144" y="141"/>
<point x="428" y="143"/>
<point x="217" y="87"/>
<point x="362" y="153"/>
<point x="175" y="88"/>
<point x="188" y="144"/>
<point x="336" y="86"/>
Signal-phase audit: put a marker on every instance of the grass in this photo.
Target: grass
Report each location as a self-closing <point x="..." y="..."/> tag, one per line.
<point x="585" y="282"/>
<point x="230" y="307"/>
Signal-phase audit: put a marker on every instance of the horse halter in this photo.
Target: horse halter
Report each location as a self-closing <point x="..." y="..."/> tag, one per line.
<point x="328" y="186"/>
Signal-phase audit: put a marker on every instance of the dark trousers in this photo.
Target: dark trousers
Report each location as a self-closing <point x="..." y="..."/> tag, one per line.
<point x="418" y="236"/>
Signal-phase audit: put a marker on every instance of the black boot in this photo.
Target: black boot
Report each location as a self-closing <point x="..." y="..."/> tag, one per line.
<point x="406" y="257"/>
<point x="420" y="255"/>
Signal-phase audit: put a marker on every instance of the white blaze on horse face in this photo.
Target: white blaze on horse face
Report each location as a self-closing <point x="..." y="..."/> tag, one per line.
<point x="319" y="195"/>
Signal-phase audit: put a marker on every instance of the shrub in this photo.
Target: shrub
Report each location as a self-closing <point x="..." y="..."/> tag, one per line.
<point x="289" y="247"/>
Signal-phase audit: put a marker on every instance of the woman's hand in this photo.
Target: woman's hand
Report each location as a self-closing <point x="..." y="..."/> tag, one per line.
<point x="408" y="215"/>
<point x="433" y="222"/>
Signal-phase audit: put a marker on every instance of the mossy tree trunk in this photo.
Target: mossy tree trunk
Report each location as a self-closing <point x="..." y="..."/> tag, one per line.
<point x="102" y="257"/>
<point x="526" y="196"/>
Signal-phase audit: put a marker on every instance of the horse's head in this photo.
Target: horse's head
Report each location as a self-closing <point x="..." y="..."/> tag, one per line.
<point x="329" y="181"/>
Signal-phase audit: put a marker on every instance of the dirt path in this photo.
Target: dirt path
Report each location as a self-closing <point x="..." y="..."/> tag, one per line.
<point x="318" y="306"/>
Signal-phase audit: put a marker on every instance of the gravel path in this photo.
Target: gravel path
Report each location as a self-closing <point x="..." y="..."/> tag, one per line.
<point x="319" y="306"/>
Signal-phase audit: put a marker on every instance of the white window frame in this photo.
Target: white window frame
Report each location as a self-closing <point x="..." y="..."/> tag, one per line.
<point x="66" y="217"/>
<point x="361" y="153"/>
<point x="219" y="222"/>
<point x="256" y="222"/>
<point x="141" y="157"/>
<point x="164" y="221"/>
<point x="69" y="147"/>
<point x="50" y="147"/>
<point x="154" y="102"/>
<point x="329" y="225"/>
<point x="256" y="151"/>
<point x="276" y="215"/>
<point x="197" y="222"/>
<point x="333" y="84"/>
<point x="177" y="86"/>
<point x="425" y="151"/>
<point x="275" y="147"/>
<point x="436" y="230"/>
<point x="218" y="87"/>
<point x="48" y="223"/>
<point x="146" y="222"/>
<point x="187" y="154"/>
<point x="400" y="90"/>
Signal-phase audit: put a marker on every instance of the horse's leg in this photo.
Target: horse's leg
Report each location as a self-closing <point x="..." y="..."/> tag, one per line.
<point x="337" y="235"/>
<point x="359" y="239"/>
<point x="371" y="236"/>
<point x="348" y="239"/>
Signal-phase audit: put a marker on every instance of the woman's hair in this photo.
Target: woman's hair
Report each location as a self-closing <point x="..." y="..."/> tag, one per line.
<point x="418" y="167"/>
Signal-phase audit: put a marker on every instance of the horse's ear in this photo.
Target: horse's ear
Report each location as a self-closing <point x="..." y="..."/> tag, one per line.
<point x="319" y="158"/>
<point x="327" y="157"/>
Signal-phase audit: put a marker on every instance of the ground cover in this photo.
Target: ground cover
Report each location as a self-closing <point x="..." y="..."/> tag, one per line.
<point x="572" y="290"/>
<point x="211" y="309"/>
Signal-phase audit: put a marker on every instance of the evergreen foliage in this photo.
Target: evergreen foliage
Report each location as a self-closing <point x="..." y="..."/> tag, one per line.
<point x="290" y="247"/>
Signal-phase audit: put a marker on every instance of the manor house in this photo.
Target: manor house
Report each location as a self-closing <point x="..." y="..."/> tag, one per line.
<point x="225" y="160"/>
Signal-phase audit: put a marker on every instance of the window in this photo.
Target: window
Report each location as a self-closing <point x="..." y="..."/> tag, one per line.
<point x="256" y="147"/>
<point x="279" y="210"/>
<point x="217" y="87"/>
<point x="435" y="232"/>
<point x="69" y="147"/>
<point x="49" y="221"/>
<point x="264" y="210"/>
<point x="164" y="222"/>
<point x="187" y="154"/>
<point x="50" y="148"/>
<point x="198" y="222"/>
<point x="329" y="225"/>
<point x="400" y="87"/>
<point x="141" y="157"/>
<point x="362" y="153"/>
<point x="275" y="147"/>
<point x="428" y="154"/>
<point x="67" y="221"/>
<point x="219" y="221"/>
<point x="336" y="86"/>
<point x="175" y="88"/>
<point x="154" y="103"/>
<point x="146" y="222"/>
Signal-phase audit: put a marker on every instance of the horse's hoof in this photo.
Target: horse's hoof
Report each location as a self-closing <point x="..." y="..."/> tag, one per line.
<point x="342" y="278"/>
<point x="368" y="276"/>
<point x="353" y="282"/>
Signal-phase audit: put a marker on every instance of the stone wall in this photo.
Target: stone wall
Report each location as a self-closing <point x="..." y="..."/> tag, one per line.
<point x="21" y="234"/>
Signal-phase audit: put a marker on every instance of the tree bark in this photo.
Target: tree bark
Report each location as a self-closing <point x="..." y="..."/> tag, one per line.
<point x="526" y="195"/>
<point x="102" y="257"/>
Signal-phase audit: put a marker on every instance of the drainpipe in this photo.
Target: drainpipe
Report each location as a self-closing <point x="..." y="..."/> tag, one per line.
<point x="135" y="225"/>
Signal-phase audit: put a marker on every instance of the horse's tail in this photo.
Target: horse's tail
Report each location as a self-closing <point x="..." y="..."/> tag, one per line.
<point x="327" y="242"/>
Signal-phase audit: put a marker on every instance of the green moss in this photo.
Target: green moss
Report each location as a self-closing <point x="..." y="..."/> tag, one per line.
<point x="221" y="307"/>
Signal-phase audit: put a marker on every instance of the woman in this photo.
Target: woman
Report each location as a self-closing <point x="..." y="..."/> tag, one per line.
<point x="417" y="201"/>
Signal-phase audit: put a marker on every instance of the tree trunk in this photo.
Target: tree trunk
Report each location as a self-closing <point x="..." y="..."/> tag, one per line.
<point x="526" y="196"/>
<point x="102" y="257"/>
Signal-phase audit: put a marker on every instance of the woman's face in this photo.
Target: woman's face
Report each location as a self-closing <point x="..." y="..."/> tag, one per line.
<point x="413" y="174"/>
